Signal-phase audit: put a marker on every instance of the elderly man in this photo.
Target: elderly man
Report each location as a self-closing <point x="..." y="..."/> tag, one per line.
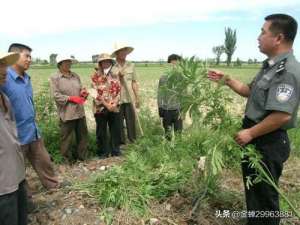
<point x="13" y="199"/>
<point x="69" y="97"/>
<point x="129" y="91"/>
<point x="18" y="89"/>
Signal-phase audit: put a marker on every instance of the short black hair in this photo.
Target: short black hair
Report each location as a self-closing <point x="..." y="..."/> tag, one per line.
<point x="285" y="24"/>
<point x="58" y="65"/>
<point x="17" y="47"/>
<point x="174" y="57"/>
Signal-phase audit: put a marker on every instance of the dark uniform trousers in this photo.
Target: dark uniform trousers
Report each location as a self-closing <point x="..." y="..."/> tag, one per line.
<point x="14" y="207"/>
<point x="81" y="134"/>
<point x="171" y="118"/>
<point x="127" y="114"/>
<point x="106" y="145"/>
<point x="275" y="150"/>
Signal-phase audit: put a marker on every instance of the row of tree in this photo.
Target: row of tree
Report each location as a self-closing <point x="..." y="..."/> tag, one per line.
<point x="228" y="47"/>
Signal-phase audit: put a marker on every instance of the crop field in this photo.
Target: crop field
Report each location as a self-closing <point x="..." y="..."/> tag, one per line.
<point x="148" y="79"/>
<point x="155" y="181"/>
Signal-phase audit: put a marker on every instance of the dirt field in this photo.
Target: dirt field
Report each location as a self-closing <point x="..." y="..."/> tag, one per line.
<point x="67" y="206"/>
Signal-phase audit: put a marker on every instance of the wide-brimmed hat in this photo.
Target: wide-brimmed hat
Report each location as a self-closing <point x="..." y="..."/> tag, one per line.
<point x="119" y="46"/>
<point x="103" y="57"/>
<point x="9" y="58"/>
<point x="61" y="58"/>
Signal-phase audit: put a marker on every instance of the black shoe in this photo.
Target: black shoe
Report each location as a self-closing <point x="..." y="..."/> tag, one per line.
<point x="102" y="156"/>
<point x="118" y="153"/>
<point x="68" y="161"/>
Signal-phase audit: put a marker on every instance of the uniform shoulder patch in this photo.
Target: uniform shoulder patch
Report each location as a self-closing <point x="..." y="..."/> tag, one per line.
<point x="284" y="92"/>
<point x="281" y="66"/>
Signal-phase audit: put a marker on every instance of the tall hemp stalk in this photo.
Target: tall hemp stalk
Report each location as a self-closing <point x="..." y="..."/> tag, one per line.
<point x="263" y="175"/>
<point x="205" y="102"/>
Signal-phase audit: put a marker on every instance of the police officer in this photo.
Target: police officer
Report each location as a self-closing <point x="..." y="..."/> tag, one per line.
<point x="273" y="100"/>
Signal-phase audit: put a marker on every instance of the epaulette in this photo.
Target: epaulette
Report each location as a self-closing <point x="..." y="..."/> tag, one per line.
<point x="281" y="66"/>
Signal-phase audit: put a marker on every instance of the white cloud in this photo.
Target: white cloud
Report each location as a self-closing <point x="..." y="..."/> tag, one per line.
<point x="47" y="25"/>
<point x="30" y="17"/>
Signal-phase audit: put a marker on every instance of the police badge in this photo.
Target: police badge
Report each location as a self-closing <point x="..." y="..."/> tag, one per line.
<point x="284" y="92"/>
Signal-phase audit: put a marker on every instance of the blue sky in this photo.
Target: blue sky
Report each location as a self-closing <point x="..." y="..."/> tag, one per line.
<point x="154" y="28"/>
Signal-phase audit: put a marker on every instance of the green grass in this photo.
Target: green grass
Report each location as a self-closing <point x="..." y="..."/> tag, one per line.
<point x="148" y="75"/>
<point x="243" y="74"/>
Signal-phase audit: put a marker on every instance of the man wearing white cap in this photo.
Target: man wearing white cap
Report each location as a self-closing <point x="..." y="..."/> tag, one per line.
<point x="69" y="97"/>
<point x="129" y="90"/>
<point x="13" y="198"/>
<point x="18" y="89"/>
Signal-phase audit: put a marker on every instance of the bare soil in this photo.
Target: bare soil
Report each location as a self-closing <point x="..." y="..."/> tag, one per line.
<point x="68" y="206"/>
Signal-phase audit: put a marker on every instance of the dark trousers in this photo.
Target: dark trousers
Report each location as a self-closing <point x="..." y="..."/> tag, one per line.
<point x="127" y="114"/>
<point x="275" y="150"/>
<point x="108" y="143"/>
<point x="13" y="207"/>
<point x="81" y="134"/>
<point x="171" y="119"/>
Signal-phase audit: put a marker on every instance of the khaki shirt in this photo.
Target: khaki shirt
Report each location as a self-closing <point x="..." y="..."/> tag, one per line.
<point x="12" y="168"/>
<point x="128" y="69"/>
<point x="275" y="88"/>
<point x="62" y="87"/>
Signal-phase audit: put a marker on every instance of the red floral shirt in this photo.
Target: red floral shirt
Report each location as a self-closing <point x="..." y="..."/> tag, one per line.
<point x="108" y="88"/>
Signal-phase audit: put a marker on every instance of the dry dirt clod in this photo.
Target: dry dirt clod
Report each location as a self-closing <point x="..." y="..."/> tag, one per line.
<point x="102" y="168"/>
<point x="168" y="207"/>
<point x="154" y="221"/>
<point x="68" y="211"/>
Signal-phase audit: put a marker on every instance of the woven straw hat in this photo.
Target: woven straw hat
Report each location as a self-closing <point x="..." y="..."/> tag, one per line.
<point x="119" y="46"/>
<point x="9" y="58"/>
<point x="103" y="57"/>
<point x="61" y="58"/>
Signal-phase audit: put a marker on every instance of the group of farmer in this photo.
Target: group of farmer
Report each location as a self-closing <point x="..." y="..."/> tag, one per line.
<point x="115" y="99"/>
<point x="272" y="105"/>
